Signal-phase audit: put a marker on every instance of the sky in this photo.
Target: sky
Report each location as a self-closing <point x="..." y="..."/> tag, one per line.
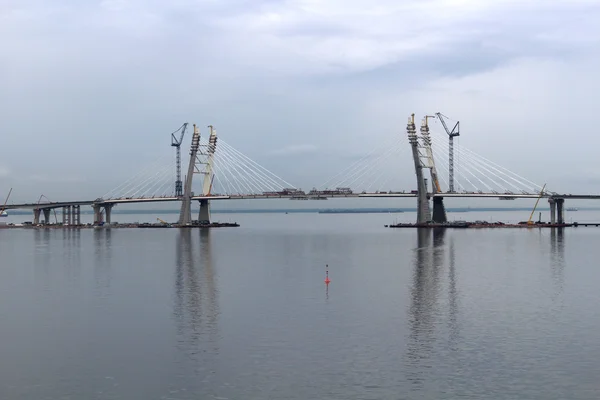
<point x="91" y="90"/>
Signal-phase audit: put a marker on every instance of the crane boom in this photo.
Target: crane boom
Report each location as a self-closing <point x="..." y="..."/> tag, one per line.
<point x="451" y="135"/>
<point x="536" y="204"/>
<point x="6" y="201"/>
<point x="177" y="144"/>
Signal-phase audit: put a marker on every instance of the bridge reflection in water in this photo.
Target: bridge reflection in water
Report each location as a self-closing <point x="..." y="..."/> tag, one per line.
<point x="425" y="307"/>
<point x="435" y="337"/>
<point x="196" y="307"/>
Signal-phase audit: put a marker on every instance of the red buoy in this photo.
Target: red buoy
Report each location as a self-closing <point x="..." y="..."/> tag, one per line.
<point x="327" y="274"/>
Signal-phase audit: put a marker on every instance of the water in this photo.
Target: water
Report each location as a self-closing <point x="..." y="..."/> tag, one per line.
<point x="243" y="313"/>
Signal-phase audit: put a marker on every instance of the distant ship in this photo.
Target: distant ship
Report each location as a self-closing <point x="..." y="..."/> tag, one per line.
<point x="3" y="213"/>
<point x="572" y="209"/>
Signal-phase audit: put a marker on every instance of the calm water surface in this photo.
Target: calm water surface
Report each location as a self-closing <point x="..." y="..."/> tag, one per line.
<point x="243" y="313"/>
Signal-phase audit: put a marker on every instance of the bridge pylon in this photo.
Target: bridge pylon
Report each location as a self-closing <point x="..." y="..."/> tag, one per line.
<point x="423" y="211"/>
<point x="201" y="162"/>
<point x="439" y="211"/>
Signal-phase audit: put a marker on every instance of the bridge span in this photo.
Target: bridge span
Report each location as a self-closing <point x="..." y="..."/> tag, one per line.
<point x="228" y="174"/>
<point x="71" y="209"/>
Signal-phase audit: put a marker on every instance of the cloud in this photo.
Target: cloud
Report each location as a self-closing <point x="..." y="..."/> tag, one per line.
<point x="56" y="179"/>
<point x="111" y="79"/>
<point x="295" y="149"/>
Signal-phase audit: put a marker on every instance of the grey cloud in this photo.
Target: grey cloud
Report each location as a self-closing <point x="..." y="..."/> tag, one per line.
<point x="96" y="87"/>
<point x="295" y="149"/>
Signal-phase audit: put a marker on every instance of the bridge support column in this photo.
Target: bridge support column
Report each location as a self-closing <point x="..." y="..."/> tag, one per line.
<point x="560" y="210"/>
<point x="46" y="215"/>
<point x="107" y="212"/>
<point x="552" y="210"/>
<point x="76" y="215"/>
<point x="439" y="211"/>
<point x="66" y="216"/>
<point x="36" y="216"/>
<point x="204" y="213"/>
<point x="97" y="214"/>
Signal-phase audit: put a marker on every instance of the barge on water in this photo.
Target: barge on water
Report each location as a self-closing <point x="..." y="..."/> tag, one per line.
<point x="481" y="224"/>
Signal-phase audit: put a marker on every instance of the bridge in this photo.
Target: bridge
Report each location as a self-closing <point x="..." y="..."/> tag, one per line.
<point x="227" y="174"/>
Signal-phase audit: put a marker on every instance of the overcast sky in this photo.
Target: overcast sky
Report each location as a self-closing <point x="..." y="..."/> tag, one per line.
<point x="90" y="90"/>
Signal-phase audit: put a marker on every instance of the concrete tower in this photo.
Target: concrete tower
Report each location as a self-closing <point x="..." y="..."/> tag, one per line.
<point x="439" y="211"/>
<point x="185" y="215"/>
<point x="423" y="212"/>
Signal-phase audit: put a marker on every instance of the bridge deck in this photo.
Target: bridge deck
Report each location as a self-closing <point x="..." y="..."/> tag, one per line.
<point x="60" y="204"/>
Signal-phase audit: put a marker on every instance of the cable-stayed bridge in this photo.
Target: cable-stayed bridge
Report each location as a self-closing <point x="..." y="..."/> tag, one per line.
<point x="218" y="171"/>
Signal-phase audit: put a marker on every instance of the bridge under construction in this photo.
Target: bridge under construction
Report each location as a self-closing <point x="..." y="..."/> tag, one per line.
<point x="227" y="174"/>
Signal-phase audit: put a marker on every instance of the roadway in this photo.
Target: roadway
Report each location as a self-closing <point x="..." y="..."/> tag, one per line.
<point x="508" y="196"/>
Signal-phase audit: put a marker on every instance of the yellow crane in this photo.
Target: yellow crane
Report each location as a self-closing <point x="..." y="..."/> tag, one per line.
<point x="158" y="219"/>
<point x="529" y="222"/>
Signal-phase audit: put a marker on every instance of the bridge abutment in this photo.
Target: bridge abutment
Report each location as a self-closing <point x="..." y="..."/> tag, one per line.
<point x="204" y="212"/>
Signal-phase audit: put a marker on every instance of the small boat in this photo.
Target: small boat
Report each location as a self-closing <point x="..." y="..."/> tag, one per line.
<point x="3" y="213"/>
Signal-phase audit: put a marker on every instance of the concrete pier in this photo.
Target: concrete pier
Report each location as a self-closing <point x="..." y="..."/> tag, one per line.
<point x="37" y="212"/>
<point x="560" y="203"/>
<point x="108" y="212"/>
<point x="76" y="218"/>
<point x="66" y="215"/>
<point x="439" y="211"/>
<point x="71" y="215"/>
<point x="552" y="203"/>
<point x="99" y="216"/>
<point x="204" y="213"/>
<point x="46" y="215"/>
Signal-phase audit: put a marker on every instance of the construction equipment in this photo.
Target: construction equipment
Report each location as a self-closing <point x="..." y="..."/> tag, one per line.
<point x="451" y="135"/>
<point x="529" y="222"/>
<point x="5" y="201"/>
<point x="175" y="142"/>
<point x="161" y="221"/>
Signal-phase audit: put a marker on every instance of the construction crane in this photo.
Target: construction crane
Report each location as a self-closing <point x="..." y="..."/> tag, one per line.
<point x="451" y="135"/>
<point x="529" y="221"/>
<point x="175" y="142"/>
<point x="5" y="201"/>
